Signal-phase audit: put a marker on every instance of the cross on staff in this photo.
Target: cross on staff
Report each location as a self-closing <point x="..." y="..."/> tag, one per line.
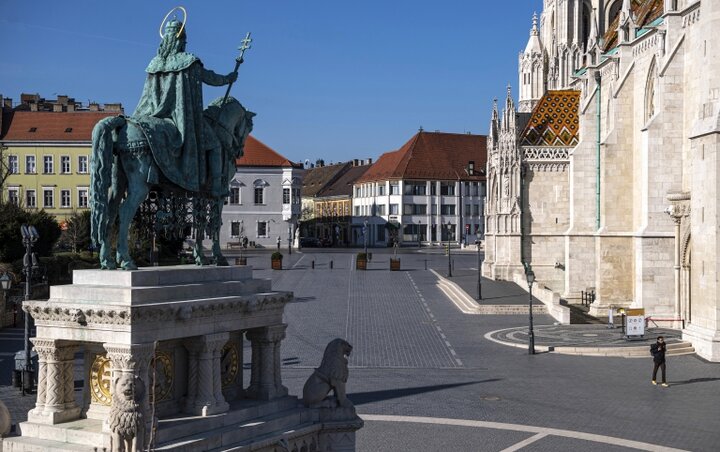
<point x="238" y="61"/>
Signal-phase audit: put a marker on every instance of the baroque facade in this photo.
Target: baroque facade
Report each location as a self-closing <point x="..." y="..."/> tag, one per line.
<point x="611" y="195"/>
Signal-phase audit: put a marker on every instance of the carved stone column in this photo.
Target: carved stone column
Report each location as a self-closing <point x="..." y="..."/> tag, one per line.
<point x="204" y="375"/>
<point x="133" y="359"/>
<point x="679" y="210"/>
<point x="265" y="378"/>
<point x="55" y="402"/>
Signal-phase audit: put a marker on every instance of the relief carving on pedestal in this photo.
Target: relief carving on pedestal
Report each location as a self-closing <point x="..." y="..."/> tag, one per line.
<point x="100" y="379"/>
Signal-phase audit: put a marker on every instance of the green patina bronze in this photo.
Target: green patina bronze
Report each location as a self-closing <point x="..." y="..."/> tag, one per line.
<point x="171" y="145"/>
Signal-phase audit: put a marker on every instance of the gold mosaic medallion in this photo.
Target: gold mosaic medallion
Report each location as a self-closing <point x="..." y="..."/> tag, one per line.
<point x="100" y="379"/>
<point x="162" y="369"/>
<point x="229" y="363"/>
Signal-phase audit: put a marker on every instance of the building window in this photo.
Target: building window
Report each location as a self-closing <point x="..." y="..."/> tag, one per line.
<point x="65" y="198"/>
<point x="259" y="195"/>
<point x="30" y="200"/>
<point x="416" y="188"/>
<point x="447" y="209"/>
<point x="262" y="229"/>
<point x="13" y="167"/>
<point x="296" y="198"/>
<point x="433" y="209"/>
<point x="48" y="195"/>
<point x="65" y="164"/>
<point x="467" y="209"/>
<point x="433" y="188"/>
<point x="83" y="164"/>
<point x="447" y="232"/>
<point x="394" y="188"/>
<point x="83" y="197"/>
<point x="476" y="210"/>
<point x="286" y="196"/>
<point x="30" y="164"/>
<point x="381" y="233"/>
<point x="394" y="209"/>
<point x="235" y="229"/>
<point x="357" y="192"/>
<point x="474" y="187"/>
<point x="13" y="196"/>
<point x="447" y="188"/>
<point x="381" y="209"/>
<point x="234" y="195"/>
<point x="357" y="211"/>
<point x="48" y="164"/>
<point x="414" y="209"/>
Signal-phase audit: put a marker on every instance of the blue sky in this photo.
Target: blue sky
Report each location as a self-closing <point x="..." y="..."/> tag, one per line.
<point x="328" y="79"/>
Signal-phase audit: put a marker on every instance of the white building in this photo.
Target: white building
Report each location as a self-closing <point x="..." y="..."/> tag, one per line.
<point x="429" y="191"/>
<point x="625" y="199"/>
<point x="264" y="201"/>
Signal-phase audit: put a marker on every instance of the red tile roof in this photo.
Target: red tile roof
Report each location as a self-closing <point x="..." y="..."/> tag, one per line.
<point x="343" y="185"/>
<point x="315" y="179"/>
<point x="554" y="120"/>
<point x="432" y="156"/>
<point x="258" y="153"/>
<point x="51" y="126"/>
<point x="644" y="12"/>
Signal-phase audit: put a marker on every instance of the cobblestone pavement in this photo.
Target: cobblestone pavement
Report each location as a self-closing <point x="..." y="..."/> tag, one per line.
<point x="426" y="379"/>
<point x="592" y="335"/>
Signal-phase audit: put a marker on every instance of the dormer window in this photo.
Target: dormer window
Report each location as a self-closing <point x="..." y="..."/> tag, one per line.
<point x="32" y="129"/>
<point x="68" y="130"/>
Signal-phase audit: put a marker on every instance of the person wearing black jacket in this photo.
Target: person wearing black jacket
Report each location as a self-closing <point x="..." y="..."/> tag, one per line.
<point x="658" y="351"/>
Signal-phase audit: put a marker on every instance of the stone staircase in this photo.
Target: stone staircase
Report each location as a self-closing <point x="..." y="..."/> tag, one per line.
<point x="249" y="425"/>
<point x="579" y="315"/>
<point x="469" y="305"/>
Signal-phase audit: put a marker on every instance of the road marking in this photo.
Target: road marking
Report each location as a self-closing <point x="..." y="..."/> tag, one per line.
<point x="298" y="261"/>
<point x="522" y="428"/>
<point x="522" y="444"/>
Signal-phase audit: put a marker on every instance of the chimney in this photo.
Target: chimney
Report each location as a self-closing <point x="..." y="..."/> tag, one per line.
<point x="71" y="106"/>
<point x="33" y="106"/>
<point x="7" y="102"/>
<point x="115" y="107"/>
<point x="57" y="107"/>
<point x="94" y="106"/>
<point x="369" y="161"/>
<point x="62" y="99"/>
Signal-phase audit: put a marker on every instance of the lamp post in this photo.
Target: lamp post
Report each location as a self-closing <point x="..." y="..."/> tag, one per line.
<point x="290" y="236"/>
<point x="365" y="230"/>
<point x="531" y="334"/>
<point x="418" y="231"/>
<point x="479" y="297"/>
<point x="29" y="237"/>
<point x="449" y="262"/>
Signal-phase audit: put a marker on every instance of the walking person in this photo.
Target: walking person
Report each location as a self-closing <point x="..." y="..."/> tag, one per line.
<point x="658" y="351"/>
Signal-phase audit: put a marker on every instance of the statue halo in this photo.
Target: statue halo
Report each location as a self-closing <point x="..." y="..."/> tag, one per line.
<point x="182" y="27"/>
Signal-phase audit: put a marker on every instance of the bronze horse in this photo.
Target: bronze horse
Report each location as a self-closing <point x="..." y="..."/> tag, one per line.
<point x="123" y="164"/>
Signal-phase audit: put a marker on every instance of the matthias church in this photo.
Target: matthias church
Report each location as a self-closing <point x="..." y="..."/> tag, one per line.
<point x="604" y="176"/>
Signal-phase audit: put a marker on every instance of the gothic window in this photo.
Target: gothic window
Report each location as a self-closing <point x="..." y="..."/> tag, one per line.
<point x="650" y="91"/>
<point x="612" y="12"/>
<point x="585" y="21"/>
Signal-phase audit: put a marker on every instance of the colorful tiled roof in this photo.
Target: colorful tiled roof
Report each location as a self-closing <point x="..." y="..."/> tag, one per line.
<point x="258" y="153"/>
<point x="554" y="120"/>
<point x="315" y="179"/>
<point x="342" y="186"/>
<point x="51" y="126"/>
<point x="644" y="12"/>
<point x="432" y="156"/>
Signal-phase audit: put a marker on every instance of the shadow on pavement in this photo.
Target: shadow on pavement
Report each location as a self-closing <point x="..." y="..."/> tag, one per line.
<point x="693" y="380"/>
<point x="360" y="398"/>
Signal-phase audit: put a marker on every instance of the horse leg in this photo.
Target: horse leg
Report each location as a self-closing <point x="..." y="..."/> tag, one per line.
<point x="218" y="257"/>
<point x="117" y="190"/>
<point x="198" y="251"/>
<point x="136" y="193"/>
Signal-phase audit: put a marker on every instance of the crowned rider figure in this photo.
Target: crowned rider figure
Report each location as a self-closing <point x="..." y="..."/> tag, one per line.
<point x="170" y="113"/>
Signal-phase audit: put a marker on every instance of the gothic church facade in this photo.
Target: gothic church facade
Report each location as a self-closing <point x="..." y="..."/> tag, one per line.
<point x="606" y="174"/>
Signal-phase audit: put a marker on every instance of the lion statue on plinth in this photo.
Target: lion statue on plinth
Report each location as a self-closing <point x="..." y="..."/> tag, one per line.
<point x="331" y="375"/>
<point x="126" y="420"/>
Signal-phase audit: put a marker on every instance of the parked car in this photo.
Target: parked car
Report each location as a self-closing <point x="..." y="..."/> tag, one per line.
<point x="309" y="242"/>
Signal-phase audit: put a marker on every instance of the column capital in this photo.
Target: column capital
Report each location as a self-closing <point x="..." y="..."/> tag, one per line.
<point x="273" y="333"/>
<point x="129" y="357"/>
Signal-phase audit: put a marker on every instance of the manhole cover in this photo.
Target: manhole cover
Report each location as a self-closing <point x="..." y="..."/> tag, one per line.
<point x="590" y="335"/>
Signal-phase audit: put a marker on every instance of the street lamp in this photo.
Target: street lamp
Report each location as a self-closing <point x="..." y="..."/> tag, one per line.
<point x="449" y="262"/>
<point x="5" y="282"/>
<point x="479" y="297"/>
<point x="418" y="232"/>
<point x="365" y="229"/>
<point x="29" y="237"/>
<point x="531" y="336"/>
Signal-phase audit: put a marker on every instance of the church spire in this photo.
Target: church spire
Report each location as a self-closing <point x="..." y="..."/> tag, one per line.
<point x="531" y="70"/>
<point x="494" y="126"/>
<point x="626" y="24"/>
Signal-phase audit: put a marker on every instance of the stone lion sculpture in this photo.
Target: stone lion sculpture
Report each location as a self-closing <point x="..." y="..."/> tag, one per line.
<point x="331" y="375"/>
<point x="127" y="423"/>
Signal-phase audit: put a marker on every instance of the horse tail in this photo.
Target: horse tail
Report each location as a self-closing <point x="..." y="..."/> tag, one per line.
<point x="101" y="175"/>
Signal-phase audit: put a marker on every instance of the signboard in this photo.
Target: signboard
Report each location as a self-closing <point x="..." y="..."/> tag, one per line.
<point x="635" y="322"/>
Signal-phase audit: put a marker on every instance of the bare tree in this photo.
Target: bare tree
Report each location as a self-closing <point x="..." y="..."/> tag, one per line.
<point x="4" y="170"/>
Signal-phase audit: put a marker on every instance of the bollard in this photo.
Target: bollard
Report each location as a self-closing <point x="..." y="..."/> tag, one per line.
<point x="425" y="264"/>
<point x="313" y="265"/>
<point x="331" y="265"/>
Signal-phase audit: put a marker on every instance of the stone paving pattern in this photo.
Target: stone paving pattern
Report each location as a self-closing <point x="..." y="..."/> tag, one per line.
<point x="416" y="354"/>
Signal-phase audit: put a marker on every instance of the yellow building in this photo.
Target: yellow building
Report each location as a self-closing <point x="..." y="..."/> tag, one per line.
<point x="47" y="154"/>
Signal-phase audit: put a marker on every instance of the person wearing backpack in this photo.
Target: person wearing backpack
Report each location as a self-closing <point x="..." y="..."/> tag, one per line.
<point x="658" y="351"/>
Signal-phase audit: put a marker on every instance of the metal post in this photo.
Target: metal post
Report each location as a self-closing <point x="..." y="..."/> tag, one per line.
<point x="479" y="271"/>
<point x="449" y="261"/>
<point x="289" y="238"/>
<point x="365" y="231"/>
<point x="29" y="237"/>
<point x="531" y="349"/>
